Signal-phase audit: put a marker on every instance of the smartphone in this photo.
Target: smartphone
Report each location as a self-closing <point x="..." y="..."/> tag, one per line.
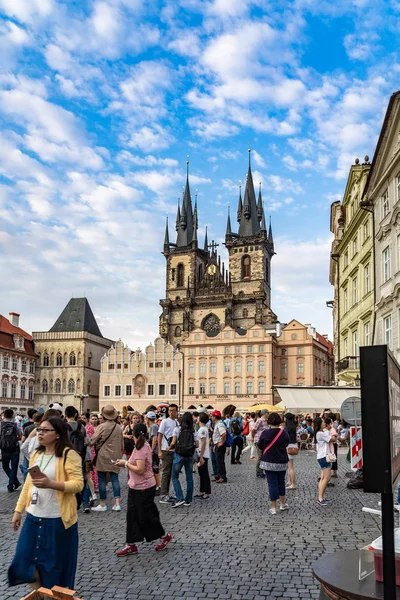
<point x="35" y="472"/>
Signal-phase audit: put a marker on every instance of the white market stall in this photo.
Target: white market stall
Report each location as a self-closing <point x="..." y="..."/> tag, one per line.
<point x="313" y="399"/>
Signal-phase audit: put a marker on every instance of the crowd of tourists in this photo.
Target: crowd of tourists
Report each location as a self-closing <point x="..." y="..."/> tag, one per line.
<point x="69" y="460"/>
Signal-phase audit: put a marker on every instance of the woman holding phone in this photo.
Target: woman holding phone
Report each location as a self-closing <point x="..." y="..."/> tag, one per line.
<point x="143" y="518"/>
<point x="47" y="548"/>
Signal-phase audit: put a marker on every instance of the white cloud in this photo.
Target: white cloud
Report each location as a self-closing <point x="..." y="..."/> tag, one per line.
<point x="149" y="139"/>
<point x="258" y="159"/>
<point x="27" y="10"/>
<point x="282" y="184"/>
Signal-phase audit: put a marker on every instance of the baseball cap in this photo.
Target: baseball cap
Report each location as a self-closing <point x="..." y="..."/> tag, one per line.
<point x="216" y="413"/>
<point x="151" y="415"/>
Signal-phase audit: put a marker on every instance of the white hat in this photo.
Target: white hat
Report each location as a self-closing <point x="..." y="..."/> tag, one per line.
<point x="151" y="415"/>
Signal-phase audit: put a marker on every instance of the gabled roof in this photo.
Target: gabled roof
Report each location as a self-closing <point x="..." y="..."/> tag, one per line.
<point x="382" y="143"/>
<point x="7" y="327"/>
<point x="77" y="316"/>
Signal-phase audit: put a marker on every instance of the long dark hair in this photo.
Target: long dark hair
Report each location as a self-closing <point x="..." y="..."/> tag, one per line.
<point x="317" y="426"/>
<point x="61" y="428"/>
<point x="140" y="432"/>
<point x="290" y="424"/>
<point x="187" y="421"/>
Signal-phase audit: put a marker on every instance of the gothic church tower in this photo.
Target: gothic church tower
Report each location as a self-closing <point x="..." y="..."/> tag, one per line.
<point x="199" y="291"/>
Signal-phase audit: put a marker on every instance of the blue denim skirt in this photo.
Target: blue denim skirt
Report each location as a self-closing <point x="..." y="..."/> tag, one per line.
<point x="45" y="545"/>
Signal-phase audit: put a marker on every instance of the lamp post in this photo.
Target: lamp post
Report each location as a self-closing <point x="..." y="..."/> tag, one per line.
<point x="81" y="399"/>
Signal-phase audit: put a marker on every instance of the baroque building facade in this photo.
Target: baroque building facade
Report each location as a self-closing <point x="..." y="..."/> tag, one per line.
<point x="69" y="356"/>
<point x="200" y="292"/>
<point x="382" y="195"/>
<point x="241" y="367"/>
<point x="17" y="365"/>
<point x="352" y="274"/>
<point x="136" y="379"/>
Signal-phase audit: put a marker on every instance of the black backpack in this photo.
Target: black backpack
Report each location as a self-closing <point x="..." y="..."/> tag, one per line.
<point x="9" y="437"/>
<point x="235" y="427"/>
<point x="77" y="439"/>
<point x="185" y="445"/>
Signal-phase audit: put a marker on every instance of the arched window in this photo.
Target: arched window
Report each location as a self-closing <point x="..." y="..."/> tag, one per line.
<point x="245" y="312"/>
<point x="59" y="360"/>
<point x="246" y="267"/>
<point x="71" y="386"/>
<point x="181" y="276"/>
<point x="72" y="359"/>
<point x="51" y="385"/>
<point x="200" y="272"/>
<point x="78" y="385"/>
<point x="178" y="331"/>
<point x="57" y="388"/>
<point x="45" y="360"/>
<point x="45" y="386"/>
<point x="90" y="359"/>
<point x="89" y="385"/>
<point x="52" y="359"/>
<point x="79" y="358"/>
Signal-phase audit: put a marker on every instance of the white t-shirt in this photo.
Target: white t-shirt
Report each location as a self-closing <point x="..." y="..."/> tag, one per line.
<point x="322" y="442"/>
<point x="47" y="506"/>
<point x="200" y="434"/>
<point x="219" y="430"/>
<point x="167" y="428"/>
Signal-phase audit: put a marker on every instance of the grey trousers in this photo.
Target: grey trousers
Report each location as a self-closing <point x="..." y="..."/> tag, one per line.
<point x="167" y="459"/>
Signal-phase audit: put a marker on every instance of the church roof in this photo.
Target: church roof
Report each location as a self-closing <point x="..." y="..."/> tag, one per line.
<point x="77" y="316"/>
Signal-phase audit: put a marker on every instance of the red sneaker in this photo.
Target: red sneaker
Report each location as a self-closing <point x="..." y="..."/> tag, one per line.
<point x="164" y="542"/>
<point x="127" y="550"/>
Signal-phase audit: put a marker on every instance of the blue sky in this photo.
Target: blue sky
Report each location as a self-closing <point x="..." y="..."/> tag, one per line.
<point x="102" y="101"/>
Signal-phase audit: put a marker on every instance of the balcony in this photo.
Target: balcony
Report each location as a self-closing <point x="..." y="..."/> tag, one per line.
<point x="348" y="363"/>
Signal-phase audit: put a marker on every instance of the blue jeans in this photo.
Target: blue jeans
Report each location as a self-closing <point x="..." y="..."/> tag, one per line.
<point x="213" y="461"/>
<point x="103" y="485"/>
<point x="276" y="484"/>
<point x="24" y="467"/>
<point x="10" y="462"/>
<point x="179" y="462"/>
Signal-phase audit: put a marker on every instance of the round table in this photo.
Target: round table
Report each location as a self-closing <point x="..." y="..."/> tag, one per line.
<point x="338" y="574"/>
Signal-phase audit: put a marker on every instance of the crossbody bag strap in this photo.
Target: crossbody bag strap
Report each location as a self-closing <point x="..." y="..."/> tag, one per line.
<point x="98" y="447"/>
<point x="276" y="438"/>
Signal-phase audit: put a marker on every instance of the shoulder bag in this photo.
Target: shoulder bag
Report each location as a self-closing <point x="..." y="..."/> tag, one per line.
<point x="276" y="438"/>
<point x="97" y="447"/>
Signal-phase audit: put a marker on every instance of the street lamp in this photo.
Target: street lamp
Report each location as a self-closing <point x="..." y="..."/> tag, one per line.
<point x="81" y="399"/>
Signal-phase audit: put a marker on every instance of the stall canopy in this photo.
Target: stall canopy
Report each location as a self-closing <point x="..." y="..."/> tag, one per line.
<point x="313" y="399"/>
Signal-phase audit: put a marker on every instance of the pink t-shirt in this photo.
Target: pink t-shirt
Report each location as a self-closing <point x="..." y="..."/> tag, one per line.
<point x="147" y="480"/>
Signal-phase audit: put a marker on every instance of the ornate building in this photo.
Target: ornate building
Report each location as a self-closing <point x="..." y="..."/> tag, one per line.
<point x="17" y="366"/>
<point x="382" y="195"/>
<point x="138" y="379"/>
<point x="352" y="274"/>
<point x="69" y="358"/>
<point x="200" y="293"/>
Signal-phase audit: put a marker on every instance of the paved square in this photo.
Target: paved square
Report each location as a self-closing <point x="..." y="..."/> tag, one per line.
<point x="228" y="548"/>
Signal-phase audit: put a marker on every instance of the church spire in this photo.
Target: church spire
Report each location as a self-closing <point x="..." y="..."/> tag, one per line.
<point x="206" y="240"/>
<point x="270" y="237"/>
<point x="249" y="223"/>
<point x="178" y="215"/>
<point x="240" y="205"/>
<point x="195" y="224"/>
<point x="259" y="204"/>
<point x="166" y="237"/>
<point x="228" y="233"/>
<point x="185" y="229"/>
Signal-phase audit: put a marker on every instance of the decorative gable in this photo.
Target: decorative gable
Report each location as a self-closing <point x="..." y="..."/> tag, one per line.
<point x="19" y="342"/>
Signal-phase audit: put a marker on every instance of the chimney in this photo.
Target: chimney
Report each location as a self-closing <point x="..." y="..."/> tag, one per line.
<point x="14" y="319"/>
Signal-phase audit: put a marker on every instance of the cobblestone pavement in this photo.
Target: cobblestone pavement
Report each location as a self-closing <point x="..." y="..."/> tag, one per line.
<point x="228" y="548"/>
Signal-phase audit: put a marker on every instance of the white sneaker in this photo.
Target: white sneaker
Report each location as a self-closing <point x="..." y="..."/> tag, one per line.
<point x="284" y="507"/>
<point x="94" y="497"/>
<point x="99" y="508"/>
<point x="116" y="507"/>
<point x="272" y="511"/>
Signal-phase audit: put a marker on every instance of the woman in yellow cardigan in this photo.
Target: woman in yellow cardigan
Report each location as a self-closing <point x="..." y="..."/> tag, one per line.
<point x="47" y="548"/>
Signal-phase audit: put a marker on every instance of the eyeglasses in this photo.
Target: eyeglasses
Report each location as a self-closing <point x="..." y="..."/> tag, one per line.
<point x="43" y="430"/>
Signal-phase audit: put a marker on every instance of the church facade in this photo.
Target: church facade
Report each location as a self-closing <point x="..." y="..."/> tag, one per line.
<point x="200" y="292"/>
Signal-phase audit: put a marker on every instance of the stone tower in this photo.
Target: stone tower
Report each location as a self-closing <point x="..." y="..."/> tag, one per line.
<point x="199" y="290"/>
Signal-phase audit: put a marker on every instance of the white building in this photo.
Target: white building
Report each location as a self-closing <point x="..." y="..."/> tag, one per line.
<point x="17" y="366"/>
<point x="382" y="194"/>
<point x="138" y="379"/>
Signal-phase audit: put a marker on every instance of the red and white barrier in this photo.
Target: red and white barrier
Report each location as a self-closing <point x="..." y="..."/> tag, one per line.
<point x="356" y="448"/>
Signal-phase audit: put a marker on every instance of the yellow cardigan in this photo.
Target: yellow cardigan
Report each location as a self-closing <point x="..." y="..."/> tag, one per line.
<point x="71" y="475"/>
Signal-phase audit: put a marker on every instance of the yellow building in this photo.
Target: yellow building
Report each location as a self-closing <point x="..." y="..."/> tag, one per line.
<point x="352" y="274"/>
<point x="240" y="367"/>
